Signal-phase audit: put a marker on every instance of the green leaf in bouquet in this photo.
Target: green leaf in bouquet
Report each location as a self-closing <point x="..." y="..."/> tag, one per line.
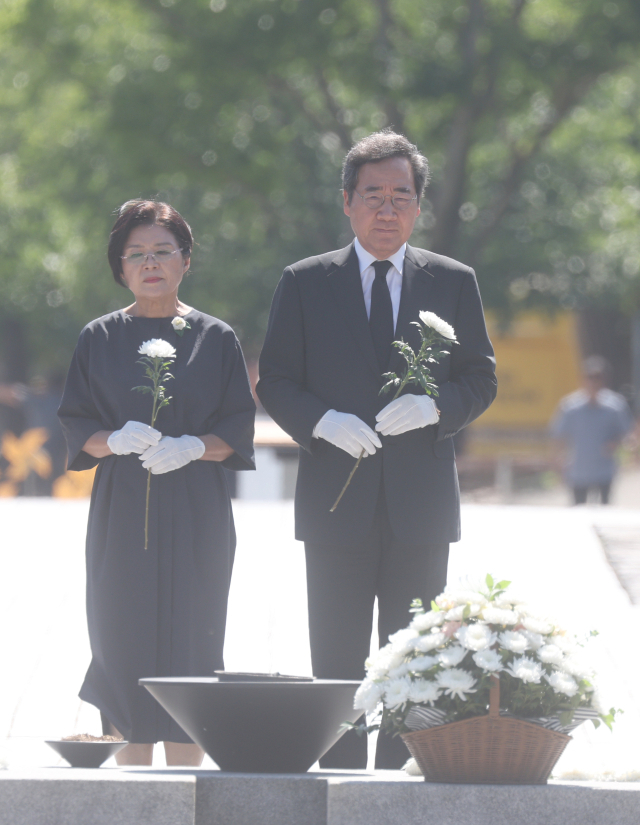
<point x="489" y="581"/>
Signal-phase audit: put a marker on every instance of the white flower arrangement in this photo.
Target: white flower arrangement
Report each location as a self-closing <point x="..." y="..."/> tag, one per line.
<point x="440" y="668"/>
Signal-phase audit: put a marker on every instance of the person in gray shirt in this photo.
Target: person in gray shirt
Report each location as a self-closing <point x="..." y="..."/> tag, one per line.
<point x="592" y="422"/>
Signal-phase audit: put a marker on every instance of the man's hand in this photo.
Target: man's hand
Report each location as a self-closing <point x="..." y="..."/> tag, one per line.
<point x="409" y="412"/>
<point x="134" y="437"/>
<point x="172" y="453"/>
<point x="348" y="432"/>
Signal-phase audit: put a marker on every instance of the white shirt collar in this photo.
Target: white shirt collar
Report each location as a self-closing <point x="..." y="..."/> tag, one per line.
<point x="365" y="258"/>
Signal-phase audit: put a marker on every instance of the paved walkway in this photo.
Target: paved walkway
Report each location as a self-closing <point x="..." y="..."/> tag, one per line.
<point x="552" y="554"/>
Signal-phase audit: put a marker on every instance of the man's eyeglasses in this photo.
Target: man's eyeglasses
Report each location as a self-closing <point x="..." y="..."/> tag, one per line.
<point x="159" y="256"/>
<point x="399" y="202"/>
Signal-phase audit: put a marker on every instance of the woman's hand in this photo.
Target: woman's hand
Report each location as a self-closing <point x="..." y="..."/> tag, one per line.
<point x="134" y="437"/>
<point x="172" y="453"/>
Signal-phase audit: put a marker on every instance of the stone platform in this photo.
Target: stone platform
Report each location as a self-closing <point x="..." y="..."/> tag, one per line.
<point x="111" y="796"/>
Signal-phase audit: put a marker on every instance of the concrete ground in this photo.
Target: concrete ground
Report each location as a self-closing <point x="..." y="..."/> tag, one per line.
<point x="551" y="553"/>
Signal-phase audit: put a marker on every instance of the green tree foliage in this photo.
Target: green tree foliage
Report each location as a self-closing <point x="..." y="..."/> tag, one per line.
<point x="239" y="113"/>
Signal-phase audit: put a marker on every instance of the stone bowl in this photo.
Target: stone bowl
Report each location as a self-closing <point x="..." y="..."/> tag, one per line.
<point x="85" y="754"/>
<point x="259" y="726"/>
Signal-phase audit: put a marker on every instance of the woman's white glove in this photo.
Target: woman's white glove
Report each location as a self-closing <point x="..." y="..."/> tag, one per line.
<point x="348" y="432"/>
<point x="409" y="412"/>
<point x="134" y="437"/>
<point x="172" y="453"/>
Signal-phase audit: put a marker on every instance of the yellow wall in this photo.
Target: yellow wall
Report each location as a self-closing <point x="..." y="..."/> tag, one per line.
<point x="537" y="363"/>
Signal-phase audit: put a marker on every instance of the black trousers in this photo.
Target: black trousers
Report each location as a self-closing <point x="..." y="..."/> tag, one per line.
<point x="342" y="584"/>
<point x="580" y="493"/>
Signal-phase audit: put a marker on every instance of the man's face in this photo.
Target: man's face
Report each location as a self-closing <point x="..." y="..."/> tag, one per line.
<point x="382" y="231"/>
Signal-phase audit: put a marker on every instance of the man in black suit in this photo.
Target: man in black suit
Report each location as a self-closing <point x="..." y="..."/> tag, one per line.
<point x="332" y="323"/>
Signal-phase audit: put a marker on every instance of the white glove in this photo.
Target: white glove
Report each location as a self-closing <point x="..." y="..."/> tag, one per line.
<point x="409" y="412"/>
<point x="348" y="432"/>
<point x="134" y="437"/>
<point x="172" y="453"/>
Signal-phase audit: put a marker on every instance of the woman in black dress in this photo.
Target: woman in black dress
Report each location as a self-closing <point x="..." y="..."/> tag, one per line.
<point x="159" y="611"/>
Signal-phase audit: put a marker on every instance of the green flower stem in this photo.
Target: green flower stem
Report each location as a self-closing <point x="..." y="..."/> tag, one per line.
<point x="157" y="391"/>
<point x="154" y="413"/>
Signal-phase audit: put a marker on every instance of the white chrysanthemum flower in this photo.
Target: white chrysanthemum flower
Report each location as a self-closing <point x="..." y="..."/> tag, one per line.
<point x="537" y="625"/>
<point x="456" y="614"/>
<point x="402" y="641"/>
<point x="456" y="682"/>
<point x="368" y="696"/>
<point x="178" y="323"/>
<point x="488" y="660"/>
<point x="514" y="641"/>
<point x="396" y="692"/>
<point x="430" y="641"/>
<point x="576" y="666"/>
<point x="157" y="348"/>
<point x="424" y="692"/>
<point x="563" y="683"/>
<point x="504" y="601"/>
<point x="421" y="663"/>
<point x="400" y="671"/>
<point x="383" y="661"/>
<point x="444" y="601"/>
<point x="525" y="669"/>
<point x="550" y="654"/>
<point x="476" y="636"/>
<point x="535" y="640"/>
<point x="430" y="319"/>
<point x="452" y="656"/>
<point x="464" y="595"/>
<point x="425" y="621"/>
<point x="566" y="643"/>
<point x="498" y="615"/>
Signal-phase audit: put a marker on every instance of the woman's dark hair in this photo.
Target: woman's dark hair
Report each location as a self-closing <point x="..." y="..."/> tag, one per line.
<point x="145" y="213"/>
<point x="382" y="146"/>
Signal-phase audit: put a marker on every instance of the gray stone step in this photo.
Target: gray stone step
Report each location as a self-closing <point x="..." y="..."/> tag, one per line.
<point x="68" y="796"/>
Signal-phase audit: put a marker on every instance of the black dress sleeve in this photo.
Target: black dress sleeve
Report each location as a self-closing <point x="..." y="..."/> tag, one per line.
<point x="236" y="416"/>
<point x="77" y="412"/>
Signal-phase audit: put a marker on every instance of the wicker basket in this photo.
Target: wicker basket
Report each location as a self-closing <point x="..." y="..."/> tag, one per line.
<point x="493" y="749"/>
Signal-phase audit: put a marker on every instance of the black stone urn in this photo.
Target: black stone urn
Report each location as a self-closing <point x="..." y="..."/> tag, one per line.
<point x="258" y="723"/>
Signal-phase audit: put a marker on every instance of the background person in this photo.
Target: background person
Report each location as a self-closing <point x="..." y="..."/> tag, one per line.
<point x="332" y="323"/>
<point x="160" y="611"/>
<point x="592" y="422"/>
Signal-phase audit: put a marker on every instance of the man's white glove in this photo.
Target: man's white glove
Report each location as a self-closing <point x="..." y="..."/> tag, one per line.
<point x="348" y="432"/>
<point x="409" y="412"/>
<point x="134" y="437"/>
<point x="172" y="453"/>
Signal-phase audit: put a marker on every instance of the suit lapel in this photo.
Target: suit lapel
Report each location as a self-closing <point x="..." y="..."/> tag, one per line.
<point x="417" y="285"/>
<point x="346" y="285"/>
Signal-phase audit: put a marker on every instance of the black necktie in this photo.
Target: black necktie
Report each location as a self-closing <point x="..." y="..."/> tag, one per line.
<point x="381" y="315"/>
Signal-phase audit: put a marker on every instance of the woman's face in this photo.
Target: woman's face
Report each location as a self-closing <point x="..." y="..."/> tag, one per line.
<point x="153" y="265"/>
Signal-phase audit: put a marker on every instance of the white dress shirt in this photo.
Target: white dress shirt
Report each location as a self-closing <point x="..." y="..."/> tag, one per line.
<point x="394" y="276"/>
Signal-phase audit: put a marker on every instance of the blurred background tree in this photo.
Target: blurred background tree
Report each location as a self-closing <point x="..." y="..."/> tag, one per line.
<point x="239" y="113"/>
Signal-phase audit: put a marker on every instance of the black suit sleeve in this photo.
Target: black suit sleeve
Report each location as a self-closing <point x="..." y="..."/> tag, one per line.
<point x="472" y="385"/>
<point x="282" y="385"/>
<point x="78" y="413"/>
